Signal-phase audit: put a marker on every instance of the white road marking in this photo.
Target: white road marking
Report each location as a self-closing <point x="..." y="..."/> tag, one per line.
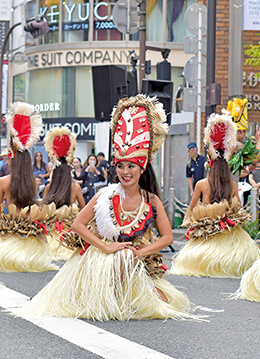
<point x="87" y="336"/>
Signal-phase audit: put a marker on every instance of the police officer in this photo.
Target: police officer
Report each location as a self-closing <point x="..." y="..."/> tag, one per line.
<point x="195" y="169"/>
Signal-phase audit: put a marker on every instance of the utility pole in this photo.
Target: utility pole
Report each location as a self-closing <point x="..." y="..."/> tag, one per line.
<point x="211" y="54"/>
<point x="142" y="40"/>
<point x="2" y="59"/>
<point x="235" y="62"/>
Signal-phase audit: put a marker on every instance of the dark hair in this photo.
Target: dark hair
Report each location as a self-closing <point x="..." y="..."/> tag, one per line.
<point x="22" y="183"/>
<point x="60" y="186"/>
<point x="220" y="181"/>
<point x="101" y="154"/>
<point x="77" y="158"/>
<point x="86" y="162"/>
<point x="147" y="180"/>
<point x="42" y="164"/>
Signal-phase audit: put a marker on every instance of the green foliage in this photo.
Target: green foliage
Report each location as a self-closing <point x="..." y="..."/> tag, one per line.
<point x="253" y="53"/>
<point x="253" y="229"/>
<point x="244" y="157"/>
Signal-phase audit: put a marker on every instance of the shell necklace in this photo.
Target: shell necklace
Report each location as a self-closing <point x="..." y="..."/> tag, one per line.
<point x="124" y="215"/>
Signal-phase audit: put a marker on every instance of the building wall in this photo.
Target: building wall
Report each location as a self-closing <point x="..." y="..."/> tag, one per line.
<point x="251" y="85"/>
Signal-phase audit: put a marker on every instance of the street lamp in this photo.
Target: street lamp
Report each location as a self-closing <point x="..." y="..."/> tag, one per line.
<point x="37" y="27"/>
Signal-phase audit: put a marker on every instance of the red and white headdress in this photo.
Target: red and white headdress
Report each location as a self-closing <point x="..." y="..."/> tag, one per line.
<point x="220" y="134"/>
<point x="24" y="124"/>
<point x="60" y="142"/>
<point x="138" y="129"/>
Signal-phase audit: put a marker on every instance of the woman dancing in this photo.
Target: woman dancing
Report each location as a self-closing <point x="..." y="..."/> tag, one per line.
<point x="118" y="274"/>
<point x="250" y="284"/>
<point x="60" y="145"/>
<point x="63" y="191"/>
<point x="23" y="245"/>
<point x="217" y="245"/>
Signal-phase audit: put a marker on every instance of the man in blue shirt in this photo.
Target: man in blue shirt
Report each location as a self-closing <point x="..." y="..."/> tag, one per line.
<point x="195" y="169"/>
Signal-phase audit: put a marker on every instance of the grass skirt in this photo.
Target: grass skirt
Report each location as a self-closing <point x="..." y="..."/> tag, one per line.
<point x="29" y="254"/>
<point x="102" y="286"/>
<point x="227" y="254"/>
<point x="250" y="284"/>
<point x="60" y="252"/>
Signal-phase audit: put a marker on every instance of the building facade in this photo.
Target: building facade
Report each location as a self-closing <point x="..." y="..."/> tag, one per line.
<point x="57" y="77"/>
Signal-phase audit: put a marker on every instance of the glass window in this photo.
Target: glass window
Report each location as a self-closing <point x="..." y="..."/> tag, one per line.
<point x="51" y="11"/>
<point x="104" y="28"/>
<point x="176" y="29"/>
<point x="45" y="91"/>
<point x="154" y="20"/>
<point x="60" y="92"/>
<point x="75" y="15"/>
<point x="31" y="10"/>
<point x="19" y="88"/>
<point x="84" y="103"/>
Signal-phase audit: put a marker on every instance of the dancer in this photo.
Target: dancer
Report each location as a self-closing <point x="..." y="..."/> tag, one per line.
<point x="23" y="245"/>
<point x="250" y="284"/>
<point x="117" y="274"/>
<point x="217" y="245"/>
<point x="60" y="145"/>
<point x="63" y="191"/>
<point x="246" y="151"/>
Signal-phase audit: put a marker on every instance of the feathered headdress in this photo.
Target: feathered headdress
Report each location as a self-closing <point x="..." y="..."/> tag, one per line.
<point x="60" y="142"/>
<point x="24" y="124"/>
<point x="238" y="111"/>
<point x="138" y="129"/>
<point x="220" y="134"/>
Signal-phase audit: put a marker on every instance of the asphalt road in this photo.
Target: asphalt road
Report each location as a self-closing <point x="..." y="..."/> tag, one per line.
<point x="231" y="333"/>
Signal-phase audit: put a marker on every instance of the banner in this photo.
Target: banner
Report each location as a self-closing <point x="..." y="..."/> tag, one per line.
<point x="251" y="15"/>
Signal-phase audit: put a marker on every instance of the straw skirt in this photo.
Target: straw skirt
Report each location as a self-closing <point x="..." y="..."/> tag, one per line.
<point x="102" y="287"/>
<point x="29" y="254"/>
<point x="227" y="254"/>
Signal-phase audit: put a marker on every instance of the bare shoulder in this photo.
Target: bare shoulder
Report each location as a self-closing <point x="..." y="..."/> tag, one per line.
<point x="152" y="198"/>
<point x="4" y="181"/>
<point x="202" y="183"/>
<point x="75" y="186"/>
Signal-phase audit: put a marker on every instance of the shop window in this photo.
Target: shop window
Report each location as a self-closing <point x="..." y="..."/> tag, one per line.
<point x="154" y="20"/>
<point x="59" y="92"/>
<point x="19" y="88"/>
<point x="104" y="28"/>
<point x="51" y="11"/>
<point x="45" y="91"/>
<point x="84" y="101"/>
<point x="176" y="29"/>
<point x="75" y="23"/>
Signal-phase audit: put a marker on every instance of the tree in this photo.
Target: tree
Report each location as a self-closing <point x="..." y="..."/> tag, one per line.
<point x="253" y="53"/>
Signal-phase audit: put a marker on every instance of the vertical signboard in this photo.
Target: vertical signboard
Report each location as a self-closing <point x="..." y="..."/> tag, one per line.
<point x="4" y="27"/>
<point x="4" y="86"/>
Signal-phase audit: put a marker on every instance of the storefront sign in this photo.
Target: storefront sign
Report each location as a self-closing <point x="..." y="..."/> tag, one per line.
<point x="52" y="106"/>
<point x="77" y="12"/>
<point x="251" y="80"/>
<point x="251" y="14"/>
<point x="78" y="57"/>
<point x="83" y="128"/>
